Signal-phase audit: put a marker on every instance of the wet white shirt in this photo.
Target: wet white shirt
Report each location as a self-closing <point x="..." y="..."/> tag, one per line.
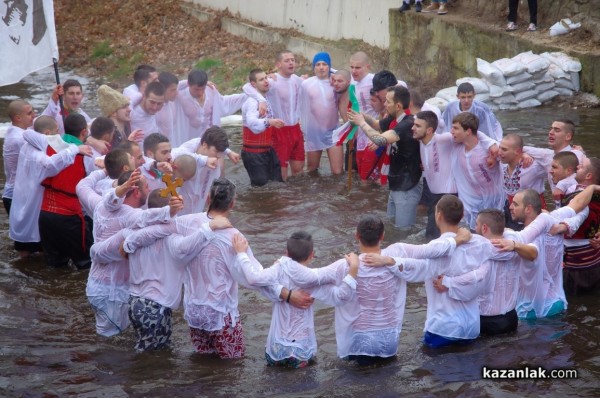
<point x="451" y="317"/>
<point x="488" y="123"/>
<point x="144" y="121"/>
<point x="283" y="96"/>
<point x="13" y="141"/>
<point x="318" y="113"/>
<point x="193" y="119"/>
<point x="478" y="186"/>
<point x="34" y="166"/>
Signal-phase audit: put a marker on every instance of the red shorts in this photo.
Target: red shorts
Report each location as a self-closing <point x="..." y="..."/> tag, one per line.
<point x="227" y="342"/>
<point x="365" y="160"/>
<point x="288" y="143"/>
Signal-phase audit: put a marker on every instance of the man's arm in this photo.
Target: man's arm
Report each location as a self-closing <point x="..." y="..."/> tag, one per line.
<point x="583" y="198"/>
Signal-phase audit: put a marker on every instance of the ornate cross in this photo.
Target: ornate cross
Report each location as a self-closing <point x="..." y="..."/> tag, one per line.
<point x="171" y="185"/>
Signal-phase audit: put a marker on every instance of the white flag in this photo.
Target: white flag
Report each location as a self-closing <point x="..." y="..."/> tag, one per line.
<point x="27" y="38"/>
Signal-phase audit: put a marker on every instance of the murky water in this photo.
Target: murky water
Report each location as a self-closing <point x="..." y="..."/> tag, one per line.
<point x="48" y="345"/>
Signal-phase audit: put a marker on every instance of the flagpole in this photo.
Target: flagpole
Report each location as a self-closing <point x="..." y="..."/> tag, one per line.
<point x="60" y="97"/>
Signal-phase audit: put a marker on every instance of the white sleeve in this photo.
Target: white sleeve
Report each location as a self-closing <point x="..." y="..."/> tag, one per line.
<point x="186" y="248"/>
<point x="252" y="92"/>
<point x="146" y="236"/>
<point x="435" y="248"/>
<point x="335" y="295"/>
<point x="467" y="286"/>
<point x="86" y="193"/>
<point x="252" y="119"/>
<point x="107" y="251"/>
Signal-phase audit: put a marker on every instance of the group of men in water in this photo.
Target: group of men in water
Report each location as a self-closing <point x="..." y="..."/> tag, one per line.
<point x="92" y="193"/>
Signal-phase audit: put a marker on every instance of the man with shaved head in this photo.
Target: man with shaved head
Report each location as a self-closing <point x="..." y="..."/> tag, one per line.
<point x="21" y="116"/>
<point x="518" y="177"/>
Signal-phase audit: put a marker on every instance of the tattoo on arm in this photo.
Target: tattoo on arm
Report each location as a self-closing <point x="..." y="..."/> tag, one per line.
<point x="378" y="140"/>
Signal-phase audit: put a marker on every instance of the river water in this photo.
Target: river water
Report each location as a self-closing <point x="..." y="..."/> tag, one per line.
<point x="48" y="345"/>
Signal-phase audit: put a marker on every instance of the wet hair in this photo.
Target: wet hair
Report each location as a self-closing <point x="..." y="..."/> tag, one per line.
<point x="167" y="79"/>
<point x="299" y="246"/>
<point x="155" y="88"/>
<point x="569" y="126"/>
<point x="184" y="167"/>
<point x="44" y="123"/>
<point x="370" y="230"/>
<point x="417" y="98"/>
<point x="101" y="126"/>
<point x="114" y="161"/>
<point x="142" y="72"/>
<point x="74" y="124"/>
<point x="127" y="146"/>
<point x="217" y="137"/>
<point x="222" y="194"/>
<point x="531" y="197"/>
<point x="280" y="54"/>
<point x="253" y="73"/>
<point x="567" y="160"/>
<point x="15" y="108"/>
<point x="467" y="121"/>
<point x="401" y="96"/>
<point x="152" y="141"/>
<point x="430" y="118"/>
<point x="197" y="77"/>
<point x="465" y="88"/>
<point x="71" y="83"/>
<point x="494" y="219"/>
<point x="594" y="168"/>
<point x="516" y="139"/>
<point x="451" y="208"/>
<point x="344" y="73"/>
<point x="123" y="179"/>
<point x="156" y="201"/>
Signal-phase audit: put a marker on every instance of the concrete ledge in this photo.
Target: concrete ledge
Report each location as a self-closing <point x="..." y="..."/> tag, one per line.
<point x="298" y="45"/>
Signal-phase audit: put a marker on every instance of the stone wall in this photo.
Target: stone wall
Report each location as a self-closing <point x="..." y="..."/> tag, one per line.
<point x="432" y="51"/>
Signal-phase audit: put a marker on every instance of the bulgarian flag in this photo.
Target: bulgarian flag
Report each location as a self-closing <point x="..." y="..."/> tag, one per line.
<point x="347" y="131"/>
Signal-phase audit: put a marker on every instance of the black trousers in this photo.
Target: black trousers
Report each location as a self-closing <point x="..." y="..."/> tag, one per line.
<point x="66" y="238"/>
<point x="513" y="6"/>
<point x="262" y="167"/>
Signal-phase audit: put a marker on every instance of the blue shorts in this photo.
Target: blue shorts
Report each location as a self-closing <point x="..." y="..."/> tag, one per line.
<point x="436" y="341"/>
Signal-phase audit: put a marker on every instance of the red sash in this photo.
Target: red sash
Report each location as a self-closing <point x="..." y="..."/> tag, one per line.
<point x="257" y="143"/>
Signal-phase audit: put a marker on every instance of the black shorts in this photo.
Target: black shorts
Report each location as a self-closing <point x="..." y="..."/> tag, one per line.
<point x="498" y="324"/>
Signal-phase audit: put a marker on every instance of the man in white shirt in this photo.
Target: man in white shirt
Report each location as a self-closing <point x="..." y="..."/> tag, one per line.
<point x="259" y="157"/>
<point x="466" y="102"/>
<point x="479" y="186"/>
<point x="518" y="176"/>
<point x="143" y="116"/>
<point x="72" y="92"/>
<point x="319" y="116"/>
<point x="143" y="75"/>
<point x="35" y="166"/>
<point x="21" y="115"/>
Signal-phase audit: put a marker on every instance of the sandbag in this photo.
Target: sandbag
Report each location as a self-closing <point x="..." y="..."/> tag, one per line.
<point x="566" y="83"/>
<point x="499" y="91"/>
<point x="518" y="78"/>
<point x="575" y="80"/>
<point x="534" y="63"/>
<point x="509" y="67"/>
<point x="545" y="77"/>
<point x="479" y="85"/>
<point x="556" y="72"/>
<point x="530" y="103"/>
<point x="505" y="99"/>
<point x="490" y="72"/>
<point x="507" y="107"/>
<point x="525" y="95"/>
<point x="441" y="103"/>
<point x="546" y="96"/>
<point x="564" y="91"/>
<point x="544" y="86"/>
<point x="564" y="61"/>
<point x="448" y="93"/>
<point x="523" y="86"/>
<point x="483" y="97"/>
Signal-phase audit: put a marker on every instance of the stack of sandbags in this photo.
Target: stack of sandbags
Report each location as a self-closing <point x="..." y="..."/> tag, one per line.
<point x="524" y="81"/>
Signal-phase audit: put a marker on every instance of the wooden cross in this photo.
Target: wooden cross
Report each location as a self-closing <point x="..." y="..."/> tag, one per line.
<point x="171" y="185"/>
